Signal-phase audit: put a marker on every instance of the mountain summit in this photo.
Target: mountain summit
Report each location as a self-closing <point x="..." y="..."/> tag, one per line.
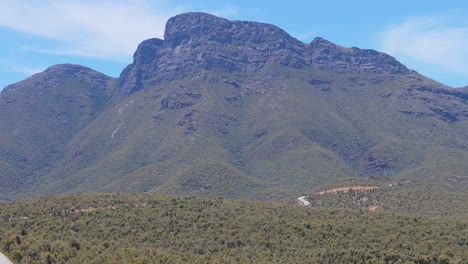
<point x="229" y="108"/>
<point x="194" y="42"/>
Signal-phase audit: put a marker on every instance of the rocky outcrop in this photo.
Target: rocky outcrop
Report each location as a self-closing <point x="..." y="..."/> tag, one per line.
<point x="324" y="52"/>
<point x="197" y="42"/>
<point x="144" y="65"/>
<point x="194" y="42"/>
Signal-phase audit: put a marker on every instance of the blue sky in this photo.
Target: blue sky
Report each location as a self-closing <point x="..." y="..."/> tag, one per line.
<point x="428" y="36"/>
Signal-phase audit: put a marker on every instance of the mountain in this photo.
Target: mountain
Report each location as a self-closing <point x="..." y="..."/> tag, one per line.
<point x="40" y="115"/>
<point x="235" y="109"/>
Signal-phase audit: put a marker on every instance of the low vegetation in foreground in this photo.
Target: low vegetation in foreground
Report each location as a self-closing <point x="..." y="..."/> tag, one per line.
<point x="121" y="228"/>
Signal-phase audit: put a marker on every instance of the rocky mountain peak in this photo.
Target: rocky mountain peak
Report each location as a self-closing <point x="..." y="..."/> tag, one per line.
<point x="186" y="26"/>
<point x="191" y="27"/>
<point x="197" y="42"/>
<point x="320" y="43"/>
<point x="363" y="60"/>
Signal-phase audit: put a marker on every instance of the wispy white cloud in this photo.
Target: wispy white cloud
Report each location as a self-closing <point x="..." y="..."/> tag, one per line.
<point x="431" y="41"/>
<point x="101" y="28"/>
<point x="27" y="70"/>
<point x="107" y="29"/>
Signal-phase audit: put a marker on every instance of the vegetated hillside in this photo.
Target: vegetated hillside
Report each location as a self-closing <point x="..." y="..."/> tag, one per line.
<point x="153" y="229"/>
<point x="235" y="109"/>
<point x="395" y="196"/>
<point x="40" y="115"/>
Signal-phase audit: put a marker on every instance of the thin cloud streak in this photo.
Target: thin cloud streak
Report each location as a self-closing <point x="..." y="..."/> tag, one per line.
<point x="78" y="52"/>
<point x="430" y="41"/>
<point x="105" y="29"/>
<point x="27" y="70"/>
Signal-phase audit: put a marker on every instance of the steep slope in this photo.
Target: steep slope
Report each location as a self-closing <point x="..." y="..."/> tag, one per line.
<point x="242" y="109"/>
<point x="40" y="115"/>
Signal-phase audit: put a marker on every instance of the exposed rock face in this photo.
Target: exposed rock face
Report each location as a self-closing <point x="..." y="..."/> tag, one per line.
<point x="362" y="60"/>
<point x="194" y="42"/>
<point x="451" y="110"/>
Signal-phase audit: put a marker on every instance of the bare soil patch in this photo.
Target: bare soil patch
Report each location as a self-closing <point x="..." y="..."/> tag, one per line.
<point x="350" y="188"/>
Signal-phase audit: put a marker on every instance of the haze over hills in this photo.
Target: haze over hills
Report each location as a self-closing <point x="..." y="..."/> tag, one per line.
<point x="230" y="108"/>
